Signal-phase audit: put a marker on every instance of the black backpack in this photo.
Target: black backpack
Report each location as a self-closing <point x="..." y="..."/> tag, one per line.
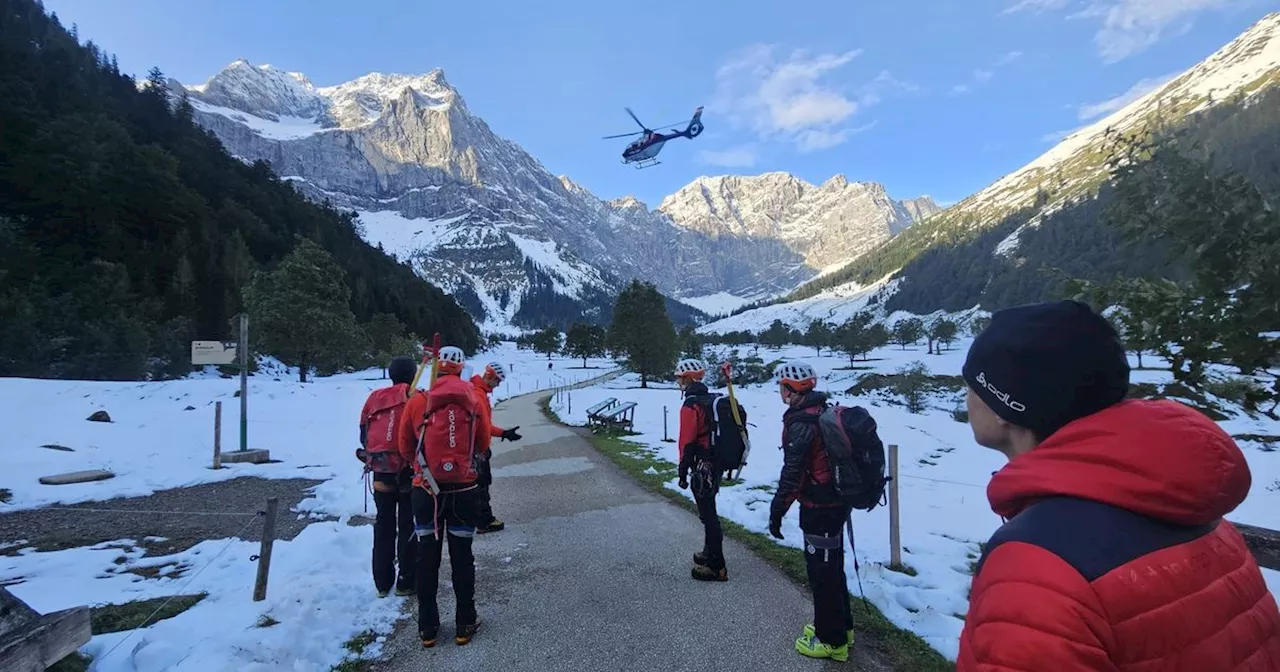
<point x="856" y="455"/>
<point x="727" y="447"/>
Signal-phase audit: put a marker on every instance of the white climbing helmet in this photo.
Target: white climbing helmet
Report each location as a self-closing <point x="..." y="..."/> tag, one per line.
<point x="452" y="359"/>
<point x="691" y="368"/>
<point x="798" y="376"/>
<point x="498" y="370"/>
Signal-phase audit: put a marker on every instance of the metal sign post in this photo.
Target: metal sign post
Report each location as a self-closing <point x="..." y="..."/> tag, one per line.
<point x="244" y="381"/>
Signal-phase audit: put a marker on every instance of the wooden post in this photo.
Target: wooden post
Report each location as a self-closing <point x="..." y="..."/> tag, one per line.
<point x="264" y="553"/>
<point x="244" y="381"/>
<point x="895" y="539"/>
<point x="217" y="435"/>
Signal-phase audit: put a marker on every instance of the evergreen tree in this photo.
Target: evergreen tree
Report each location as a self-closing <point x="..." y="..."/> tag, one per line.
<point x="547" y="342"/>
<point x="585" y="340"/>
<point x="818" y="336"/>
<point x="691" y="343"/>
<point x="943" y="331"/>
<point x="642" y="332"/>
<point x="908" y="331"/>
<point x="299" y="312"/>
<point x="776" y="335"/>
<point x="854" y="336"/>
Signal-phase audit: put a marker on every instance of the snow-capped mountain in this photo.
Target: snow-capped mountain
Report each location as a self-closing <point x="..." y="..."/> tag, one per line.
<point x="1070" y="171"/>
<point x="828" y="224"/>
<point x="516" y="245"/>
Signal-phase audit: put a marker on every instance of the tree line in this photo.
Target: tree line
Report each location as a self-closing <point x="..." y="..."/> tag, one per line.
<point x="127" y="231"/>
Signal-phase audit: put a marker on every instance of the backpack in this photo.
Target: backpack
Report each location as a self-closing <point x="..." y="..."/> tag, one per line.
<point x="855" y="454"/>
<point x="447" y="436"/>
<point x="727" y="447"/>
<point x="382" y="455"/>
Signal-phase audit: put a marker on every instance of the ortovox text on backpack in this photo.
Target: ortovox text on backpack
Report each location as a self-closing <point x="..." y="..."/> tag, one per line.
<point x="447" y="436"/>
<point x="855" y="454"/>
<point x="727" y="447"/>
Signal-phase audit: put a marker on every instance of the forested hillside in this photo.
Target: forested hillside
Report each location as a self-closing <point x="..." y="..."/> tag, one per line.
<point x="953" y="266"/>
<point x="126" y="231"/>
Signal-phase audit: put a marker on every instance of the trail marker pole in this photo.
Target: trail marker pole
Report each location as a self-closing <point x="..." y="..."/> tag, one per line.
<point x="244" y="381"/>
<point x="664" y="424"/>
<point x="217" y="435"/>
<point x="264" y="553"/>
<point x="895" y="539"/>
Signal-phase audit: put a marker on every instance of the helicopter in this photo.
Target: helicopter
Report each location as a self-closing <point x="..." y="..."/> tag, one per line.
<point x="644" y="152"/>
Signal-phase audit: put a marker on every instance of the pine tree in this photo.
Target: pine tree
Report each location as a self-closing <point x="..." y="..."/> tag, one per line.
<point x="642" y="332"/>
<point x="300" y="312"/>
<point x="585" y="340"/>
<point x="776" y="335"/>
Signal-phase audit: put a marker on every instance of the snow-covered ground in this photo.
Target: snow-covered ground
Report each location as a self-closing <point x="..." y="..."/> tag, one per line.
<point x="160" y="437"/>
<point x="942" y="475"/>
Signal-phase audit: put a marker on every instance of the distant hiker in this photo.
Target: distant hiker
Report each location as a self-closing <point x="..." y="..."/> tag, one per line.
<point x="807" y="476"/>
<point x="494" y="374"/>
<point x="393" y="541"/>
<point x="1115" y="556"/>
<point x="697" y="443"/>
<point x="439" y="438"/>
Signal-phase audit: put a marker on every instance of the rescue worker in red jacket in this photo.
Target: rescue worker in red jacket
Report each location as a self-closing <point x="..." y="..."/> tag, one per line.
<point x="494" y="374"/>
<point x="694" y="444"/>
<point x="806" y="476"/>
<point x="1115" y="556"/>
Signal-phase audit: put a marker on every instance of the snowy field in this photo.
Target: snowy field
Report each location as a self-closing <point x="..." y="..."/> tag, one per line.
<point x="942" y="475"/>
<point x="160" y="437"/>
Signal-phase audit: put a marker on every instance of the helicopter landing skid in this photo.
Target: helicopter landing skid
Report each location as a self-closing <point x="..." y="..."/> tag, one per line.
<point x="645" y="163"/>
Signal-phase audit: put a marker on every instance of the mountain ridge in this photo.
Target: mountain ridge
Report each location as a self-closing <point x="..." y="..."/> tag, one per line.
<point x="408" y="144"/>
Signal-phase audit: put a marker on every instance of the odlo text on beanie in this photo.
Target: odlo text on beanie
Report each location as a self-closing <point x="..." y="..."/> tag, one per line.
<point x="1044" y="365"/>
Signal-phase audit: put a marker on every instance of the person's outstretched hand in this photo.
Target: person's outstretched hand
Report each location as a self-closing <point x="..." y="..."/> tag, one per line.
<point x="510" y="434"/>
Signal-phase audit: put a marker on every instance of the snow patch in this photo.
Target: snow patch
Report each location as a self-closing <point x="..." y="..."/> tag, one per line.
<point x="720" y="303"/>
<point x="287" y="128"/>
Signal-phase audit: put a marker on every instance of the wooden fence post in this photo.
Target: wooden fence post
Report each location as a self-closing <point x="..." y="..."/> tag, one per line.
<point x="264" y="553"/>
<point x="217" y="435"/>
<point x="895" y="539"/>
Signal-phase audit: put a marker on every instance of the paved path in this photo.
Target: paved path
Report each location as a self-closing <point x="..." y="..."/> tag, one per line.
<point x="592" y="573"/>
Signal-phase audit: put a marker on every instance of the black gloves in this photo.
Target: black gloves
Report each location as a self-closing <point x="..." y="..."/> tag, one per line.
<point x="510" y="434"/>
<point x="684" y="481"/>
<point x="776" y="511"/>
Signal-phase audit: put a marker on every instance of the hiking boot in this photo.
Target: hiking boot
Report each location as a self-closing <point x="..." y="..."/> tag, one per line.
<point x="405" y="587"/>
<point x="704" y="573"/>
<point x="494" y="525"/>
<point x="809" y="632"/>
<point x="701" y="558"/>
<point x="466" y="632"/>
<point x="428" y="637"/>
<point x="811" y="646"/>
<point x="383" y="593"/>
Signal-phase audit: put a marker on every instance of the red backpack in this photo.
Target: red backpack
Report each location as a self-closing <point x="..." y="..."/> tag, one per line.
<point x="381" y="426"/>
<point x="447" y="436"/>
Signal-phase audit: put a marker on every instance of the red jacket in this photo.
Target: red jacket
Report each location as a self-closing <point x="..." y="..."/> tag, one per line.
<point x="1116" y="557"/>
<point x="806" y="474"/>
<point x="486" y="411"/>
<point x="694" y="437"/>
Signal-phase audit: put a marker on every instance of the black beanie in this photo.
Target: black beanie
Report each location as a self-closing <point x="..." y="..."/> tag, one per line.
<point x="402" y="369"/>
<point x="1044" y="365"/>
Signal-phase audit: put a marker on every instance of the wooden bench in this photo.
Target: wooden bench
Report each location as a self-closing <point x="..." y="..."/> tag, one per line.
<point x="621" y="416"/>
<point x="593" y="413"/>
<point x="31" y="642"/>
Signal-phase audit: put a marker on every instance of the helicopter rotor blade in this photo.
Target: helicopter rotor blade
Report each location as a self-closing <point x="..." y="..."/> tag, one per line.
<point x="633" y="116"/>
<point x="623" y="135"/>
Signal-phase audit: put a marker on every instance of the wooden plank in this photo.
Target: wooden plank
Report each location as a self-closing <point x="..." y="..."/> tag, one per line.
<point x="77" y="477"/>
<point x="1263" y="543"/>
<point x="31" y="642"/>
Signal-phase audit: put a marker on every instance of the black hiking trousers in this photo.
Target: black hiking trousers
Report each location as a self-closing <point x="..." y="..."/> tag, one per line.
<point x="449" y="518"/>
<point x="824" y="561"/>
<point x="705" y="483"/>
<point x="486" y="480"/>
<point x="393" y="541"/>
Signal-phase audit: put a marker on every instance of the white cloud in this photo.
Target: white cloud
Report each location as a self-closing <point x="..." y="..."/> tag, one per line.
<point x="1142" y="88"/>
<point x="981" y="75"/>
<point x="1130" y="26"/>
<point x="741" y="156"/>
<point x="1034" y="6"/>
<point x="1008" y="58"/>
<point x="960" y="89"/>
<point x="790" y="99"/>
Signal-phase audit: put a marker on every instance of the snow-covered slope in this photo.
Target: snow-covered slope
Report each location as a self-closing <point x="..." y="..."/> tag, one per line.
<point x="1075" y="167"/>
<point x="516" y="245"/>
<point x="829" y="224"/>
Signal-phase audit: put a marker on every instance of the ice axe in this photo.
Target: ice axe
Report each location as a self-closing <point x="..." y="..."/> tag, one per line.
<point x="429" y="354"/>
<point x="737" y="418"/>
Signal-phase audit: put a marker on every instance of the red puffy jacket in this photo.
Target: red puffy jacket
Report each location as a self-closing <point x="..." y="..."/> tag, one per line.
<point x="1116" y="557"/>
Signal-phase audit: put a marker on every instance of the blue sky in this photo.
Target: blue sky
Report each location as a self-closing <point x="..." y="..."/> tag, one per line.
<point x="937" y="97"/>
